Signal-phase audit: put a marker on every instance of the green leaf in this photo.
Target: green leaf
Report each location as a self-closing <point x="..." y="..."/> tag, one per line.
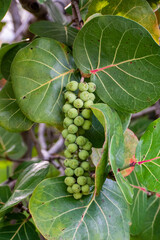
<point x="4" y="6"/>
<point x="26" y="183"/>
<point x="125" y="119"/>
<point x="17" y="226"/>
<point x="151" y="230"/>
<point x="139" y="126"/>
<point x="138" y="208"/>
<point x="11" y="144"/>
<point x="134" y="10"/>
<point x="6" y="169"/>
<point x="39" y="73"/>
<point x="11" y="117"/>
<point x="5" y="194"/>
<point x="58" y="215"/>
<point x="53" y="30"/>
<point x="8" y="57"/>
<point x="148" y="173"/>
<point x="123" y="60"/>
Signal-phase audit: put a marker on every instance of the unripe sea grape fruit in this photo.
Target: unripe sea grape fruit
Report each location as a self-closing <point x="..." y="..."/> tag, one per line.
<point x="73" y="163"/>
<point x="83" y="86"/>
<point x="69" y="172"/>
<point x="66" y="162"/>
<point x="72" y="113"/>
<point x="87" y="146"/>
<point x="67" y="121"/>
<point x="69" y="181"/>
<point x="89" y="181"/>
<point x="83" y="155"/>
<point x="77" y="195"/>
<point x="88" y="104"/>
<point x="72" y="129"/>
<point x="85" y="188"/>
<point x="66" y="143"/>
<point x="72" y="147"/>
<point x="78" y="121"/>
<point x="69" y="189"/>
<point x="85" y="96"/>
<point x="78" y="103"/>
<point x="79" y="171"/>
<point x="65" y="133"/>
<point x="86" y="113"/>
<point x="91" y="87"/>
<point x="67" y="154"/>
<point x="72" y="86"/>
<point x="66" y="107"/>
<point x="71" y="138"/>
<point x="81" y="180"/>
<point x="85" y="165"/>
<point x="81" y="140"/>
<point x="86" y="125"/>
<point x="92" y="96"/>
<point x="70" y="97"/>
<point x="81" y="131"/>
<point x="76" y="188"/>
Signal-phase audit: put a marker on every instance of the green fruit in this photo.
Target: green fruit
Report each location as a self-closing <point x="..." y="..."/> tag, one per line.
<point x="72" y="86"/>
<point x="69" y="181"/>
<point x="87" y="113"/>
<point x="71" y="138"/>
<point x="78" y="121"/>
<point x="67" y="154"/>
<point x="72" y="113"/>
<point x="92" y="96"/>
<point x="79" y="171"/>
<point x="66" y="143"/>
<point x="67" y="121"/>
<point x="89" y="181"/>
<point x="83" y="86"/>
<point x="81" y="131"/>
<point x="85" y="95"/>
<point x="72" y="129"/>
<point x="86" y="174"/>
<point x="69" y="172"/>
<point x="73" y="163"/>
<point x="81" y="180"/>
<point x="65" y="133"/>
<point x="76" y="188"/>
<point x="85" y="165"/>
<point x="86" y="125"/>
<point x="91" y="87"/>
<point x="85" y="188"/>
<point x="66" y="162"/>
<point x="87" y="146"/>
<point x="88" y="103"/>
<point x="69" y="189"/>
<point x="72" y="147"/>
<point x="70" y="96"/>
<point x="83" y="154"/>
<point x="78" y="103"/>
<point x="81" y="140"/>
<point x="77" y="195"/>
<point x="66" y="107"/>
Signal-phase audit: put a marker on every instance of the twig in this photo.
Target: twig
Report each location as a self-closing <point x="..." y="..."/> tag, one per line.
<point x="41" y="138"/>
<point x="57" y="147"/>
<point x="144" y="112"/>
<point x="76" y="7"/>
<point x="36" y="143"/>
<point x="15" y="15"/>
<point x="157" y="109"/>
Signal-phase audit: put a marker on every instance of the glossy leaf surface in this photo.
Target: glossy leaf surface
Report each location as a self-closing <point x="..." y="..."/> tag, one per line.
<point x="11" y="144"/>
<point x="5" y="193"/>
<point x="26" y="183"/>
<point x="39" y="73"/>
<point x="123" y="59"/>
<point x="11" y="116"/>
<point x="58" y="215"/>
<point x="56" y="31"/>
<point x="4" y="6"/>
<point x="148" y="148"/>
<point x="137" y="10"/>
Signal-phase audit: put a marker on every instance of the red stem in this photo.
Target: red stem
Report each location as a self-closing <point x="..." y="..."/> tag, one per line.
<point x="100" y="69"/>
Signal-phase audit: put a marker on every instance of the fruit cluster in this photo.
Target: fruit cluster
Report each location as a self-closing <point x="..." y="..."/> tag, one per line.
<point x="79" y="98"/>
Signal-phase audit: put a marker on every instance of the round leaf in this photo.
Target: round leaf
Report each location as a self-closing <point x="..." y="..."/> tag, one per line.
<point x="39" y="73"/>
<point x="123" y="60"/>
<point x="58" y="215"/>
